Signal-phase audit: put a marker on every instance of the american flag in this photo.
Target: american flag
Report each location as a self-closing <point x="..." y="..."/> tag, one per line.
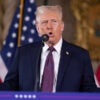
<point x="97" y="76"/>
<point x="28" y="35"/>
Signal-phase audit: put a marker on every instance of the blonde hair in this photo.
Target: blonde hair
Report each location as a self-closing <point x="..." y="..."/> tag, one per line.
<point x="42" y="9"/>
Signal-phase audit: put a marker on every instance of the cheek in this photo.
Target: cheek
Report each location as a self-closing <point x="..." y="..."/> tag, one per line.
<point x="58" y="27"/>
<point x="40" y="29"/>
<point x="55" y="27"/>
<point x="58" y="31"/>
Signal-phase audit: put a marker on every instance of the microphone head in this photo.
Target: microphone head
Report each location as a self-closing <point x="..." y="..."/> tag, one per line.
<point x="45" y="37"/>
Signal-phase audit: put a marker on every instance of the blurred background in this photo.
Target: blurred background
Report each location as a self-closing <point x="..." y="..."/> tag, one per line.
<point x="81" y="18"/>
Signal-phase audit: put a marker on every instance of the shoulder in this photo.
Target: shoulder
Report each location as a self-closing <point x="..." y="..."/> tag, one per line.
<point x="29" y="47"/>
<point x="75" y="49"/>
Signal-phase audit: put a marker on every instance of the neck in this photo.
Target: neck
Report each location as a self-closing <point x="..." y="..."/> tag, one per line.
<point x="50" y="44"/>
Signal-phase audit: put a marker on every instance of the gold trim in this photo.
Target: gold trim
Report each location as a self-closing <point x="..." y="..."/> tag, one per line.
<point x="86" y="13"/>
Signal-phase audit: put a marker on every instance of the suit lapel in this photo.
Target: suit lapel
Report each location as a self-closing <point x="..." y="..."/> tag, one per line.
<point x="35" y="57"/>
<point x="63" y="65"/>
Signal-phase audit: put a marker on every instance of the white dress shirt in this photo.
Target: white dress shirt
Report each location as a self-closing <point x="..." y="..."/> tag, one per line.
<point x="56" y="57"/>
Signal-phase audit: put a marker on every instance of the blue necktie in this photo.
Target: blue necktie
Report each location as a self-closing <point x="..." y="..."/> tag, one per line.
<point x="48" y="74"/>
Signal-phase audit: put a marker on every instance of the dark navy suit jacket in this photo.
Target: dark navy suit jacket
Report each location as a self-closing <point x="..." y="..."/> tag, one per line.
<point x="75" y="72"/>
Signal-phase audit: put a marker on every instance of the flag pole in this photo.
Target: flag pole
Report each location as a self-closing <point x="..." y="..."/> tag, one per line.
<point x="20" y="21"/>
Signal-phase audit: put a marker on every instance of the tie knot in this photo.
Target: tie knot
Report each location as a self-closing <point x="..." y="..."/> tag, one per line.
<point x="51" y="49"/>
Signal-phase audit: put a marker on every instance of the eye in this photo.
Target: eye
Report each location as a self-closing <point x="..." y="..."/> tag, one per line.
<point x="44" y="22"/>
<point x="53" y="20"/>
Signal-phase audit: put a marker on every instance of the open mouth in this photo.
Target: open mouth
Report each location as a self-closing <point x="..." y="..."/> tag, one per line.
<point x="50" y="33"/>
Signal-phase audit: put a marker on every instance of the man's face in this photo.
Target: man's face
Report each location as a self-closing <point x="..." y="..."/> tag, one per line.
<point x="50" y="23"/>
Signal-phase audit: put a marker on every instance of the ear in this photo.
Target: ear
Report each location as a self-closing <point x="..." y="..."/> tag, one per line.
<point x="37" y="26"/>
<point x="62" y="27"/>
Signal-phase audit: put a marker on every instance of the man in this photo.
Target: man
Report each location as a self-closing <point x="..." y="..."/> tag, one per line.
<point x="71" y="68"/>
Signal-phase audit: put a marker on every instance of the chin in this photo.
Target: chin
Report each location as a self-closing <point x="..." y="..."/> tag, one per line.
<point x="51" y="42"/>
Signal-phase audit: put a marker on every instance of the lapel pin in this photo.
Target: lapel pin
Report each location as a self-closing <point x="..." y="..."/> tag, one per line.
<point x="67" y="52"/>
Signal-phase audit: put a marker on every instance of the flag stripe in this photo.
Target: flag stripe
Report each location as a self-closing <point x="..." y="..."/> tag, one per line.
<point x="3" y="70"/>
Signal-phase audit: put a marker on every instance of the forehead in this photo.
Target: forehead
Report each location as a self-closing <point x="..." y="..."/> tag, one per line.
<point x="49" y="15"/>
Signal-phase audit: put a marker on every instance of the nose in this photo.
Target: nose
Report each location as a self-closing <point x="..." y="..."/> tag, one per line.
<point x="49" y="25"/>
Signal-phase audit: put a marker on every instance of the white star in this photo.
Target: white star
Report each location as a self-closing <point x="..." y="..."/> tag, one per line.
<point x="32" y="31"/>
<point x="9" y="54"/>
<point x="14" y="35"/>
<point x="29" y="9"/>
<point x="23" y="38"/>
<point x="31" y="1"/>
<point x="27" y="18"/>
<point x="20" y="96"/>
<point x="16" y="25"/>
<point x="24" y="28"/>
<point x="33" y="22"/>
<point x="25" y="96"/>
<point x="11" y="45"/>
<point x="18" y="15"/>
<point x="30" y="40"/>
<point x="29" y="96"/>
<point x="16" y="96"/>
<point x="34" y="96"/>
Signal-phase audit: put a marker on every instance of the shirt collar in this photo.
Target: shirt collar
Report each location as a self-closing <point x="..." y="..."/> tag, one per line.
<point x="56" y="46"/>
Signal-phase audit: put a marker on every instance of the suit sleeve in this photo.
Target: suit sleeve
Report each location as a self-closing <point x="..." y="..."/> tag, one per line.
<point x="11" y="80"/>
<point x="88" y="81"/>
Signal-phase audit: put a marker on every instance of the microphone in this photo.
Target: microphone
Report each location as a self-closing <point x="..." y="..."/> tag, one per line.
<point x="45" y="37"/>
